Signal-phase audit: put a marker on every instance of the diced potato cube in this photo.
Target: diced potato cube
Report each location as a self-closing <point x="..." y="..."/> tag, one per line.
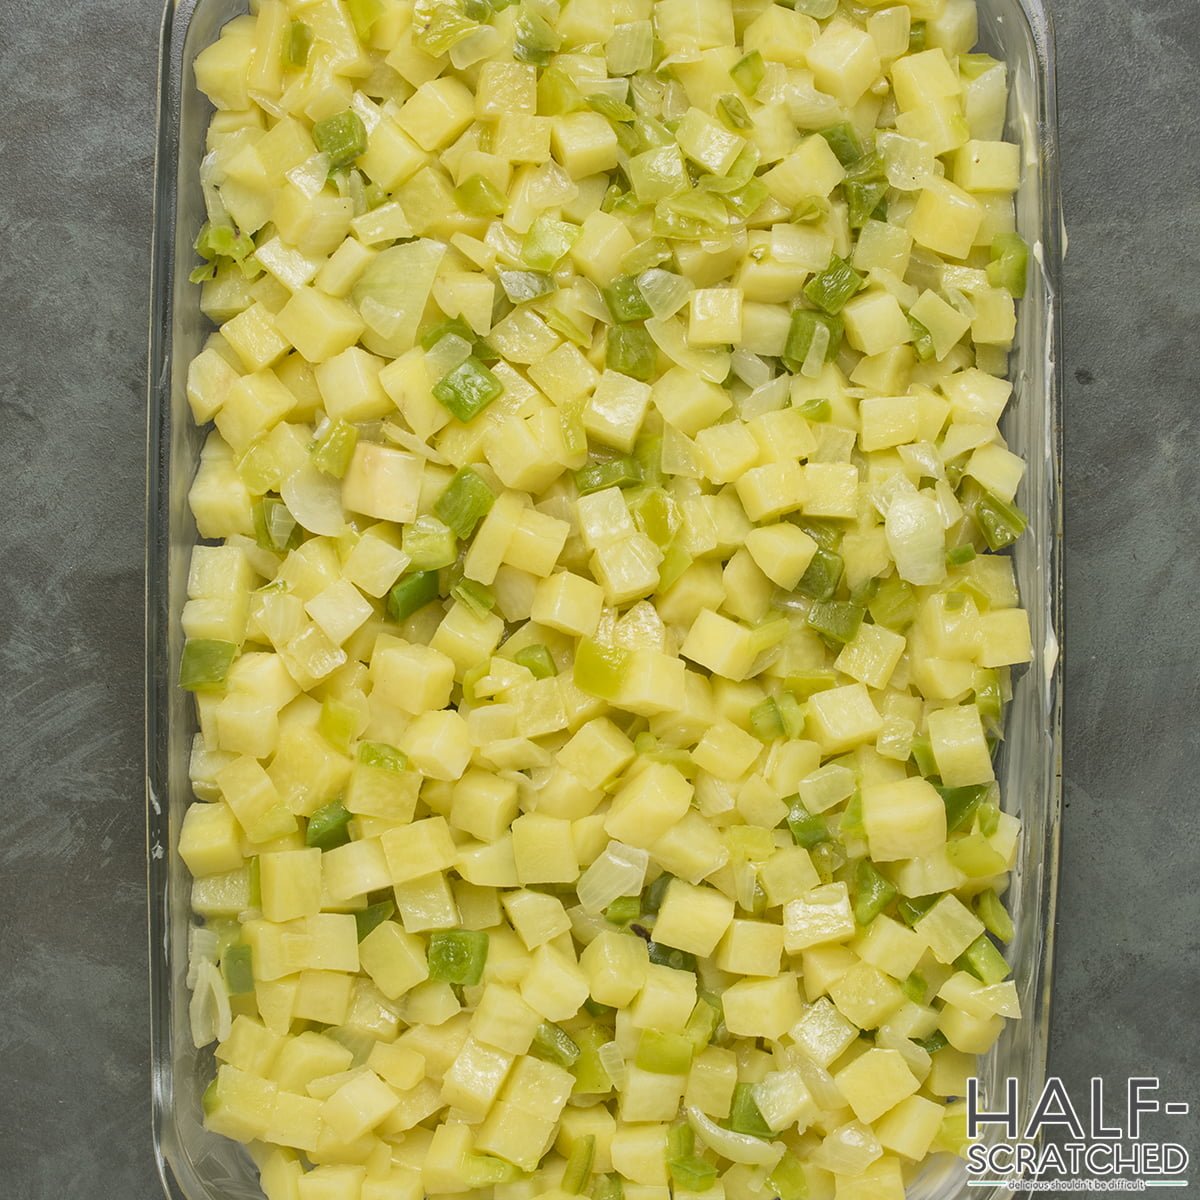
<point x="844" y="61"/>
<point x="823" y="1033"/>
<point x="948" y="928"/>
<point x="646" y="806"/>
<point x="415" y="850"/>
<point x="959" y="746"/>
<point x="843" y="717"/>
<point x="875" y="1082"/>
<point x="945" y="219"/>
<point x="910" y="1127"/>
<point x="774" y="489"/>
<point x="693" y="918"/>
<point x="319" y="326"/>
<point x="568" y="603"/>
<point x="209" y="840"/>
<point x="723" y="646"/>
<point x="437" y="113"/>
<point x="584" y="143"/>
<point x="358" y="1106"/>
<point x="903" y="819"/>
<point x="543" y="849"/>
<point x="762" y="1007"/>
<point x="554" y="985"/>
<point x="988" y="167"/>
<point x="715" y="316"/>
<point x="394" y="959"/>
<point x="615" y="412"/>
<point x="812" y="169"/>
<point x="350" y="388"/>
<point x="412" y="677"/>
<point x="751" y="948"/>
<point x="688" y="402"/>
<point x="821" y="915"/>
<point x="382" y="482"/>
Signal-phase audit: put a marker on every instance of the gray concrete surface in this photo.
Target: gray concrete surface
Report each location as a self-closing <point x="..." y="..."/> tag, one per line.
<point x="76" y="94"/>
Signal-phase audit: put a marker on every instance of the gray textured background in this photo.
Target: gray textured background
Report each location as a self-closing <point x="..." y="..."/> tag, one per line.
<point x="76" y="133"/>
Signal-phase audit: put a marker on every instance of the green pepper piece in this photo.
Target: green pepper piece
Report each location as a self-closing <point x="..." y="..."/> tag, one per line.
<point x="327" y="827"/>
<point x="744" y="1116"/>
<point x="372" y="916"/>
<point x="205" y="663"/>
<point x="538" y="661"/>
<point x="343" y="137"/>
<point x="457" y="956"/>
<point x="808" y="829"/>
<point x="237" y="966"/>
<point x="554" y="1044"/>
<point x="468" y="389"/>
<point x="872" y="892"/>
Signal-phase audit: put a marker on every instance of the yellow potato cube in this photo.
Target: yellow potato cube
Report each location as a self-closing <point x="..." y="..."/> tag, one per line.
<point x="382" y="482"/>
<point x="483" y="804"/>
<point x="1004" y="638"/>
<point x="832" y="490"/>
<point x="887" y="421"/>
<point x="615" y="412"/>
<point x="904" y="819"/>
<point x="715" y="316"/>
<point x="251" y="794"/>
<point x="523" y="137"/>
<point x="394" y="959"/>
<point x="603" y="241"/>
<point x="872" y="655"/>
<point x="438" y="744"/>
<point x="255" y="337"/>
<point x="969" y="1033"/>
<point x="988" y="167"/>
<point x="751" y="948"/>
<point x="647" y="805"/>
<point x="554" y="985"/>
<point x="726" y="751"/>
<point x="875" y="322"/>
<point x="782" y="552"/>
<point x="866" y="996"/>
<point x="959" y="746"/>
<point x="475" y="1078"/>
<point x="584" y="143"/>
<point x="505" y="87"/>
<point x="319" y="326"/>
<point x="723" y="646"/>
<point x="823" y="914"/>
<point x="666" y="999"/>
<point x="358" y="1106"/>
<point x="543" y="849"/>
<point x="437" y="113"/>
<point x="502" y="1019"/>
<point x="711" y="1082"/>
<point x="412" y="677"/>
<point x="253" y="405"/>
<point x="774" y="489"/>
<point x="787" y="875"/>
<point x="210" y="840"/>
<point x="726" y="452"/>
<point x="615" y="966"/>
<point x="350" y="387"/>
<point x="639" y="1153"/>
<point x="875" y="1082"/>
<point x="948" y="928"/>
<point x="890" y="946"/>
<point x="693" y="918"/>
<point x="516" y="1136"/>
<point x="945" y="323"/>
<point x="568" y="603"/>
<point x="290" y="882"/>
<point x="882" y="1180"/>
<point x="910" y="1127"/>
<point x="823" y="1033"/>
<point x="843" y="717"/>
<point x="688" y="402"/>
<point x="762" y="1007"/>
<point x="812" y="169"/>
<point x="649" y="1096"/>
<point x="844" y="61"/>
<point x="467" y="637"/>
<point x="596" y="753"/>
<point x="945" y="219"/>
<point x="415" y="850"/>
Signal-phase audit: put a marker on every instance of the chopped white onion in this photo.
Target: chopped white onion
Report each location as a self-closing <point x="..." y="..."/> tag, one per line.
<point x="670" y="338"/>
<point x="737" y="1147"/>
<point x="209" y="1013"/>
<point x="315" y="500"/>
<point x="916" y="538"/>
<point x="665" y="292"/>
<point x="613" y="1062"/>
<point x="619" y="871"/>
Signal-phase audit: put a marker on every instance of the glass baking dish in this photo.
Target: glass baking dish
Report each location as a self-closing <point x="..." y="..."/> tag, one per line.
<point x="197" y="1165"/>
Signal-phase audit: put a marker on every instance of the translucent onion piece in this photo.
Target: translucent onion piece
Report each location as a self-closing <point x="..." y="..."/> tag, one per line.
<point x="613" y="1062"/>
<point x="410" y="441"/>
<point x="770" y="397"/>
<point x="814" y="360"/>
<point x="315" y="500"/>
<point x="671" y="339"/>
<point x="311" y="175"/>
<point x="916" y="539"/>
<point x="482" y="43"/>
<point x="737" y="1147"/>
<point x="446" y="353"/>
<point x="203" y="947"/>
<point x="209" y="1014"/>
<point x="848" y="1150"/>
<point x="750" y="369"/>
<point x="665" y="292"/>
<point x="908" y="163"/>
<point x="619" y="871"/>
